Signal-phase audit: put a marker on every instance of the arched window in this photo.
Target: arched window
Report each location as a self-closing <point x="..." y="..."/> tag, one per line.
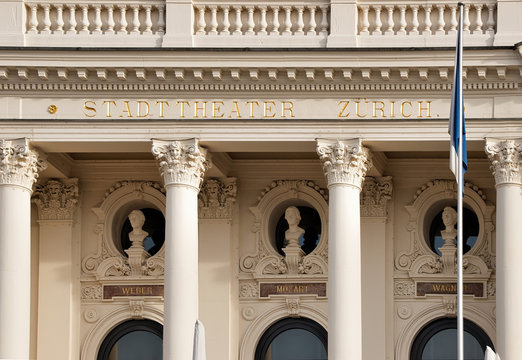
<point x="133" y="340"/>
<point x="293" y="339"/>
<point x="438" y="341"/>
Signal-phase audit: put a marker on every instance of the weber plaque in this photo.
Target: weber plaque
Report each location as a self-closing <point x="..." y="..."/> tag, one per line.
<point x="111" y="291"/>
<point x="449" y="288"/>
<point x="267" y="289"/>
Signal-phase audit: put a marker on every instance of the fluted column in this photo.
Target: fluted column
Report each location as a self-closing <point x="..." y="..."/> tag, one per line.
<point x="19" y="166"/>
<point x="345" y="164"/>
<point x="182" y="165"/>
<point x="56" y="201"/>
<point x="506" y="158"/>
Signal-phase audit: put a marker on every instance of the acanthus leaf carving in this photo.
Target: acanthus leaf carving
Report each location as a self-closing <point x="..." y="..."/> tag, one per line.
<point x="19" y="164"/>
<point x="216" y="198"/>
<point x="505" y="157"/>
<point x="375" y="194"/>
<point x="404" y="288"/>
<point x="248" y="289"/>
<point x="57" y="199"/>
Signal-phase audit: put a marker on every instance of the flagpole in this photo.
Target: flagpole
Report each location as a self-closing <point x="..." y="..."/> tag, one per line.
<point x="460" y="191"/>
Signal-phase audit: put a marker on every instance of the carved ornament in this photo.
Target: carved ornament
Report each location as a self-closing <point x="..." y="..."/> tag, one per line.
<point x="505" y="157"/>
<point x="181" y="162"/>
<point x="375" y="195"/>
<point x="57" y="199"/>
<point x="216" y="198"/>
<point x="344" y="162"/>
<point x="19" y="164"/>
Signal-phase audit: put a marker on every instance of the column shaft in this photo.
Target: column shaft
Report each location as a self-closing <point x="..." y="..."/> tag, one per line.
<point x="15" y="272"/>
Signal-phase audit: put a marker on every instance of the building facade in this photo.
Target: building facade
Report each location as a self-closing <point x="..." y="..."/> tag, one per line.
<point x="278" y="171"/>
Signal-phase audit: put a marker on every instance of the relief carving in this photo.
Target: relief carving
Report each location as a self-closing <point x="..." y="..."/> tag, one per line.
<point x="375" y="194"/>
<point x="248" y="289"/>
<point x="57" y="199"/>
<point x="19" y="164"/>
<point x="404" y="288"/>
<point x="91" y="292"/>
<point x="216" y="198"/>
<point x="505" y="157"/>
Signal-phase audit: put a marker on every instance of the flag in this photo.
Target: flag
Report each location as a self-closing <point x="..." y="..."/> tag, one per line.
<point x="491" y="355"/>
<point x="457" y="115"/>
<point x="199" y="342"/>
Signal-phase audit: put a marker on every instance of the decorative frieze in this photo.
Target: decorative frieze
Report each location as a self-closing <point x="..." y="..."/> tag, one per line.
<point x="19" y="164"/>
<point x="57" y="199"/>
<point x="375" y="195"/>
<point x="181" y="162"/>
<point x="344" y="162"/>
<point x="505" y="157"/>
<point x="216" y="198"/>
<point x="91" y="292"/>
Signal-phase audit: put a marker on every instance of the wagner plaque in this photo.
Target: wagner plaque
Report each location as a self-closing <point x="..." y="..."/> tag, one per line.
<point x="111" y="291"/>
<point x="267" y="289"/>
<point x="449" y="288"/>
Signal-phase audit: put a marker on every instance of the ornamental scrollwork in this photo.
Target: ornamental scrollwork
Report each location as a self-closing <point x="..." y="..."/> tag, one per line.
<point x="375" y="194"/>
<point x="216" y="198"/>
<point x="505" y="157"/>
<point x="19" y="164"/>
<point x="57" y="199"/>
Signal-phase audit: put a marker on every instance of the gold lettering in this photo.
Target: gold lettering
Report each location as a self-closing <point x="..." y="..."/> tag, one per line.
<point x="197" y="108"/>
<point x="216" y="109"/>
<point x="161" y="106"/>
<point x="252" y="103"/>
<point x="139" y="109"/>
<point x="109" y="103"/>
<point x="89" y="108"/>
<point x="125" y="290"/>
<point x="126" y="110"/>
<point x="149" y="291"/>
<point x="279" y="289"/>
<point x="236" y="110"/>
<point x="267" y="108"/>
<point x="427" y="108"/>
<point x="182" y="108"/>
<point x="357" y="108"/>
<point x="392" y="110"/>
<point x="380" y="108"/>
<point x="402" y="109"/>
<point x="340" y="115"/>
<point x="287" y="106"/>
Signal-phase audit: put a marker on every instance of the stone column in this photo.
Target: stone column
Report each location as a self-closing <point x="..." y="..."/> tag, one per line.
<point x="19" y="166"/>
<point x="56" y="201"/>
<point x="345" y="164"/>
<point x="505" y="157"/>
<point x="182" y="165"/>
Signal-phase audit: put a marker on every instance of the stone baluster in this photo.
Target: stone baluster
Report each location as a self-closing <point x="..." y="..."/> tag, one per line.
<point x="182" y="165"/>
<point x="427" y="20"/>
<point x="238" y="25"/>
<point x="324" y="20"/>
<point x="72" y="20"/>
<point x="506" y="159"/>
<point x="47" y="19"/>
<point x="300" y="22"/>
<point x="161" y="20"/>
<point x="85" y="20"/>
<point x="478" y="26"/>
<point x="226" y="21"/>
<point x="148" y="20"/>
<point x="390" y="22"/>
<point x="263" y="24"/>
<point x="19" y="168"/>
<point x="312" y="24"/>
<point x="440" y="21"/>
<point x="453" y="21"/>
<point x="213" y="20"/>
<point x="59" y="19"/>
<point x="135" y="25"/>
<point x="288" y="21"/>
<point x="491" y="20"/>
<point x="466" y="22"/>
<point x="365" y="22"/>
<point x="345" y="164"/>
<point x="201" y="24"/>
<point x="97" y="19"/>
<point x="250" y="20"/>
<point x="110" y="19"/>
<point x="415" y="20"/>
<point x="275" y="20"/>
<point x="33" y="21"/>
<point x="378" y="22"/>
<point x="123" y="20"/>
<point x="402" y="20"/>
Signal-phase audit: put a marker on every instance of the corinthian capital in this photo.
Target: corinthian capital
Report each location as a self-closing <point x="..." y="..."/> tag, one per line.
<point x="181" y="162"/>
<point x="505" y="157"/>
<point x="19" y="164"/>
<point x="344" y="162"/>
<point x="56" y="199"/>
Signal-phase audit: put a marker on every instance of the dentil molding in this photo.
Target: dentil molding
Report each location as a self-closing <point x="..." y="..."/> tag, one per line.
<point x="505" y="157"/>
<point x="19" y="164"/>
<point x="57" y="199"/>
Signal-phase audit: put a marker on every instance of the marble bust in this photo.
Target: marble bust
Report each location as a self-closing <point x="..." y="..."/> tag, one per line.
<point x="294" y="232"/>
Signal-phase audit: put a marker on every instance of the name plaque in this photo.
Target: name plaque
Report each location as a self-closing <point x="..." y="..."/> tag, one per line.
<point x="449" y="288"/>
<point x="267" y="289"/>
<point x="111" y="291"/>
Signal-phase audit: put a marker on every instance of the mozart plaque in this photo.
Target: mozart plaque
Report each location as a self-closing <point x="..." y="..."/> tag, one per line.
<point x="111" y="291"/>
<point x="449" y="288"/>
<point x="267" y="289"/>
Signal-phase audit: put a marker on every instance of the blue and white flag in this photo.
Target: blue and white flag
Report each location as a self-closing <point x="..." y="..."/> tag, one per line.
<point x="457" y="115"/>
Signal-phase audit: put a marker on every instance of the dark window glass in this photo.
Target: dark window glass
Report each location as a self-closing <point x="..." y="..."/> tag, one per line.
<point x="310" y="222"/>
<point x="133" y="340"/>
<point x="470" y="231"/>
<point x="293" y="339"/>
<point x="154" y="225"/>
<point x="438" y="341"/>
